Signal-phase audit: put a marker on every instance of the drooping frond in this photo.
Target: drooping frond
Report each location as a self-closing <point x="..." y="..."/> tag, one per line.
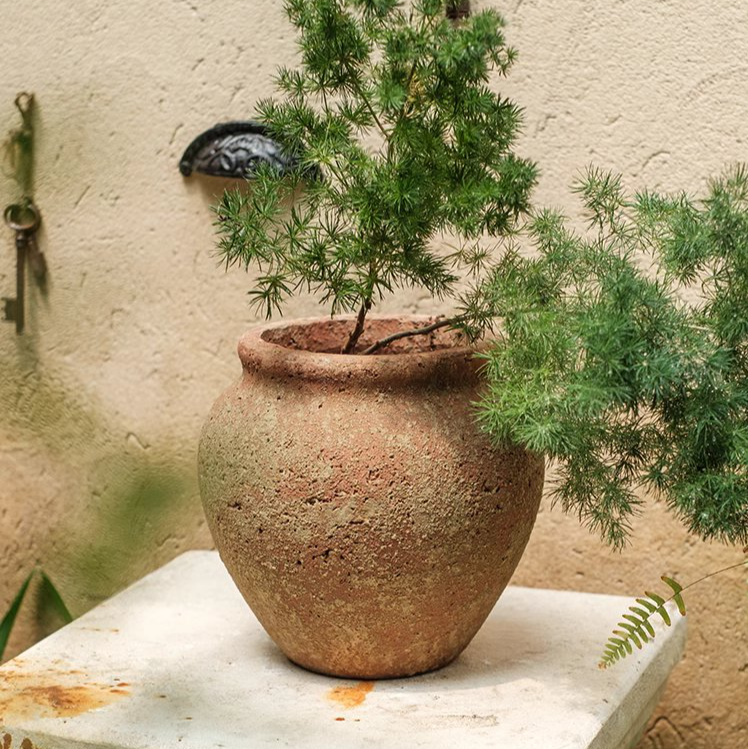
<point x="637" y="627"/>
<point x="637" y="630"/>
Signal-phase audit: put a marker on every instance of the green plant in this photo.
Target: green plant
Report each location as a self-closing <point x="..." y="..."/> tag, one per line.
<point x="604" y="369"/>
<point x="393" y="106"/>
<point x="401" y="145"/>
<point x="637" y="627"/>
<point x="51" y="598"/>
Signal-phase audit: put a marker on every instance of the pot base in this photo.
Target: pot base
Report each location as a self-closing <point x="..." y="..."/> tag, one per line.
<point x="376" y="675"/>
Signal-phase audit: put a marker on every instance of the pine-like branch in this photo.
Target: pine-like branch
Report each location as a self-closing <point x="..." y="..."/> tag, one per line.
<point x="393" y="109"/>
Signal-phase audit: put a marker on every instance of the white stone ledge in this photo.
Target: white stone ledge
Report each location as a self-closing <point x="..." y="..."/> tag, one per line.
<point x="179" y="661"/>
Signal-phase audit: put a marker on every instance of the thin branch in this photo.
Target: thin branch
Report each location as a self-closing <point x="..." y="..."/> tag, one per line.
<point x="368" y="105"/>
<point x="382" y="342"/>
<point x="354" y="84"/>
<point x="711" y="574"/>
<point x="356" y="332"/>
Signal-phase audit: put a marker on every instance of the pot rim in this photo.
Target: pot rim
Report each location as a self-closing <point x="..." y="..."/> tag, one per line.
<point x="260" y="356"/>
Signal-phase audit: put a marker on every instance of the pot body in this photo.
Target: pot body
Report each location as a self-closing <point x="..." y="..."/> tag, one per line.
<point x="368" y="523"/>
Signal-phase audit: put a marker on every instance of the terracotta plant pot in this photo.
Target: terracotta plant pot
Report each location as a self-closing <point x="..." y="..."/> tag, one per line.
<point x="367" y="522"/>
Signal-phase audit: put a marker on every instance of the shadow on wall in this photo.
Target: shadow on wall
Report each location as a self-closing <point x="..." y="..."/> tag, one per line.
<point x="114" y="512"/>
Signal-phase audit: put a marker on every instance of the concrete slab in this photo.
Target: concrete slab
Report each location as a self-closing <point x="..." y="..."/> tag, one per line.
<point x="179" y="661"/>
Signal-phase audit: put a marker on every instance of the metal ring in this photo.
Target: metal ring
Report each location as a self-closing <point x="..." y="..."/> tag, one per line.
<point x="22" y="216"/>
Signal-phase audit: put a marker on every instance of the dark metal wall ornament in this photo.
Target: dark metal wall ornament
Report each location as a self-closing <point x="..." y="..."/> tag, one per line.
<point x="23" y="217"/>
<point x="24" y="220"/>
<point x="234" y="150"/>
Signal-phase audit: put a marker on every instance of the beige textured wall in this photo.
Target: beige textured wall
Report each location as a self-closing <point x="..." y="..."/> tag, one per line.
<point x="102" y="400"/>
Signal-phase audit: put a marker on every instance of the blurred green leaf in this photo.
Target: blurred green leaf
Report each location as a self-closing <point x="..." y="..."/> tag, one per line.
<point x="54" y="599"/>
<point x="6" y="625"/>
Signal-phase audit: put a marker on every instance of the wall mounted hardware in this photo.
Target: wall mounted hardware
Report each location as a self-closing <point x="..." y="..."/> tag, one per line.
<point x="233" y="150"/>
<point x="24" y="219"/>
<point x="19" y="146"/>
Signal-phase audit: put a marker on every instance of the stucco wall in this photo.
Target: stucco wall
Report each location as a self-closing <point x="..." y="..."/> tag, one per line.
<point x="102" y="400"/>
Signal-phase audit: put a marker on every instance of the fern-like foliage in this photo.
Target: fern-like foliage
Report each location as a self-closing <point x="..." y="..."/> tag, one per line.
<point x="637" y="630"/>
<point x="394" y="106"/>
<point x="604" y="369"/>
<point x="637" y="627"/>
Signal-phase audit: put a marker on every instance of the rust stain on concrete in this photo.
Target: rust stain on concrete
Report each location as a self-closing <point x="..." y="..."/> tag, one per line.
<point x="27" y="743"/>
<point x="52" y="694"/>
<point x="351" y="696"/>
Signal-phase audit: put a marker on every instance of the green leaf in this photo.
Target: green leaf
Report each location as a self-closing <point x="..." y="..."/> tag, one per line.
<point x="639" y="625"/>
<point x="631" y="634"/>
<point x="6" y="625"/>
<point x="635" y="620"/>
<point x="658" y="599"/>
<point x="645" y="623"/>
<point x="55" y="599"/>
<point x="680" y="603"/>
<point x="677" y="588"/>
<point x="661" y="610"/>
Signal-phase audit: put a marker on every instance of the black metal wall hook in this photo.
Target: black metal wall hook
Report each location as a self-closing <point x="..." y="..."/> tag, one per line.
<point x="234" y="150"/>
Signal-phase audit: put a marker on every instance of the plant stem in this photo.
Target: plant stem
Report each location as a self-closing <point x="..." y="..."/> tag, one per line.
<point x="711" y="574"/>
<point x="356" y="87"/>
<point x="356" y="332"/>
<point x="382" y="342"/>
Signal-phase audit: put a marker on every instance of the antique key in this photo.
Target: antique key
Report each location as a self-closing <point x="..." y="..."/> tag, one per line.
<point x="24" y="219"/>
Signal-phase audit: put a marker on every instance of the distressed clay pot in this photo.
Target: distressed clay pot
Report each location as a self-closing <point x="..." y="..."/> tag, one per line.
<point x="368" y="524"/>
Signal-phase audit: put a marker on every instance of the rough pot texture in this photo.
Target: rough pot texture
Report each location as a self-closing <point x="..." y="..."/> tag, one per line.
<point x="366" y="521"/>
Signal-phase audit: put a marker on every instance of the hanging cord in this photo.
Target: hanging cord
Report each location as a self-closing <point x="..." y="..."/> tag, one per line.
<point x="19" y="147"/>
